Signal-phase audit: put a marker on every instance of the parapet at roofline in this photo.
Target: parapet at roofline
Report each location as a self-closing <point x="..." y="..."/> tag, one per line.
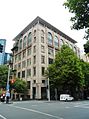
<point x="48" y="25"/>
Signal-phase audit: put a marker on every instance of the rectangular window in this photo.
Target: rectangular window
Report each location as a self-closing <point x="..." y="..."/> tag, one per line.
<point x="15" y="66"/>
<point x="28" y="84"/>
<point x="34" y="81"/>
<point x="19" y="57"/>
<point x="34" y="71"/>
<point x="18" y="74"/>
<point x="16" y="58"/>
<point x="50" y="51"/>
<point x="42" y="39"/>
<point x="29" y="51"/>
<point x="28" y="72"/>
<point x="43" y="71"/>
<point x="43" y="81"/>
<point x="23" y="74"/>
<point x="24" y="54"/>
<point x="34" y="39"/>
<point x="28" y="61"/>
<point x="42" y="48"/>
<point x="50" y="61"/>
<point x="34" y="49"/>
<point x="34" y="59"/>
<point x="43" y="59"/>
<point x="19" y="66"/>
<point x="23" y="64"/>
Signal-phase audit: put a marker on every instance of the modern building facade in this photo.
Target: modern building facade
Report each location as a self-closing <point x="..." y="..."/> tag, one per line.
<point x="34" y="49"/>
<point x="7" y="57"/>
<point x="2" y="54"/>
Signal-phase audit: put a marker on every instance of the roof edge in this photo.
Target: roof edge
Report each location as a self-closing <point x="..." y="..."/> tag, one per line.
<point x="48" y="25"/>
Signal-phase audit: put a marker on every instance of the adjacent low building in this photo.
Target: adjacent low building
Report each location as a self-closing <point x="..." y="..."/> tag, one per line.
<point x="34" y="49"/>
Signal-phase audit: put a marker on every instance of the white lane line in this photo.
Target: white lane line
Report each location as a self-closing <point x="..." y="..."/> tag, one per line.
<point x="3" y="117"/>
<point x="34" y="105"/>
<point x="31" y="110"/>
<point x="82" y="105"/>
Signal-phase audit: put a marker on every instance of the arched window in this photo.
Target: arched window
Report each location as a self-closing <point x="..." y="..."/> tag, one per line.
<point x="75" y="50"/>
<point x="50" y="39"/>
<point x="34" y="32"/>
<point x="29" y="39"/>
<point x="61" y="42"/>
<point x="20" y="45"/>
<point x="56" y="42"/>
<point x="70" y="45"/>
<point x="24" y="42"/>
<point x="66" y="43"/>
<point x="42" y="32"/>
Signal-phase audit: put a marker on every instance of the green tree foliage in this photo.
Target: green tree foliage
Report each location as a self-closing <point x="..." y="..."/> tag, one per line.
<point x="19" y="85"/>
<point x="80" y="8"/>
<point x="85" y="69"/>
<point x="66" y="71"/>
<point x="86" y="47"/>
<point x="3" y="75"/>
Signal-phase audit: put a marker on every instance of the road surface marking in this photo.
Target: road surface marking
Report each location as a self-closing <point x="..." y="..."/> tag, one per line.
<point x="82" y="105"/>
<point x="2" y="117"/>
<point x="34" y="105"/>
<point x="31" y="110"/>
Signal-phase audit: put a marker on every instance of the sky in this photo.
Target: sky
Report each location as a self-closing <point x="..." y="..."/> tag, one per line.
<point x="15" y="15"/>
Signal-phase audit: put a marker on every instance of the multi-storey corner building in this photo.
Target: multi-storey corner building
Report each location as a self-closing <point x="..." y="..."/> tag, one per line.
<point x="2" y="54"/>
<point x="34" y="49"/>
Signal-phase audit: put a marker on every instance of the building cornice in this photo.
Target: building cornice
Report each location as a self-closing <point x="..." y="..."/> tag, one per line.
<point x="46" y="24"/>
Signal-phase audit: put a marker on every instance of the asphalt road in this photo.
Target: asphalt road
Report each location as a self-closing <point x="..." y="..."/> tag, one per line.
<point x="45" y="110"/>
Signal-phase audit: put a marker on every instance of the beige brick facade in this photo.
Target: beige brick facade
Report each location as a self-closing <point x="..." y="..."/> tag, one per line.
<point x="34" y="49"/>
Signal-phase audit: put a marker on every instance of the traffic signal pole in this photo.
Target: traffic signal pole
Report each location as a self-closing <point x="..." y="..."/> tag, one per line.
<point x="8" y="87"/>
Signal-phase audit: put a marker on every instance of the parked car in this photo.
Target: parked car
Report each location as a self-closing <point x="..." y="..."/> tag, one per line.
<point x="66" y="97"/>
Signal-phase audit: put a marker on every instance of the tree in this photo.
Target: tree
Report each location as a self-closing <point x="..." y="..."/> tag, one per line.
<point x="80" y="8"/>
<point x="19" y="85"/>
<point x="3" y="75"/>
<point x="66" y="71"/>
<point x="85" y="70"/>
<point x="86" y="47"/>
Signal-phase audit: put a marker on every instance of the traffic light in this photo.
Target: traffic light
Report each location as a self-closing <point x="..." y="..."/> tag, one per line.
<point x="12" y="81"/>
<point x="1" y="48"/>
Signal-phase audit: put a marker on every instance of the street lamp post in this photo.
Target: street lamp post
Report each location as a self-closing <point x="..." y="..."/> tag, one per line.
<point x="48" y="91"/>
<point x="8" y="86"/>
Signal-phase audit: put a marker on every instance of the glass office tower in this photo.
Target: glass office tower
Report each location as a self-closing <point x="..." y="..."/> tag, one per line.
<point x="2" y="55"/>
